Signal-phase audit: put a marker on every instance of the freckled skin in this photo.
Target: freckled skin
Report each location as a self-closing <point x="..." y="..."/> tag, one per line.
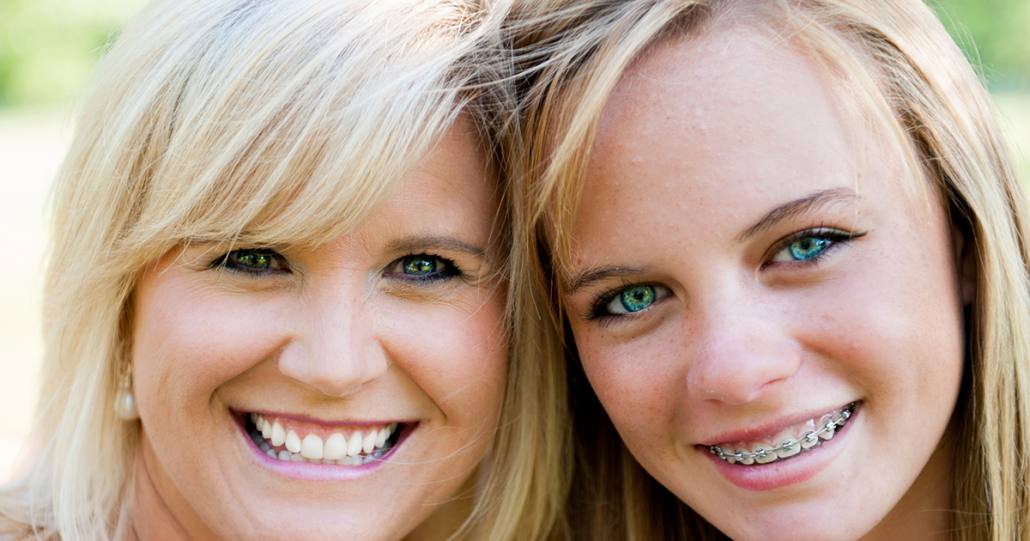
<point x="700" y="139"/>
<point x="338" y="340"/>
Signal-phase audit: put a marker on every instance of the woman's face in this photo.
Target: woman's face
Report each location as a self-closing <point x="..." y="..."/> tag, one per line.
<point x="752" y="271"/>
<point x="347" y="391"/>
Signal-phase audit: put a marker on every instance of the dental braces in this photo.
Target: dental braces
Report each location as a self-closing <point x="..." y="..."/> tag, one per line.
<point x="809" y="440"/>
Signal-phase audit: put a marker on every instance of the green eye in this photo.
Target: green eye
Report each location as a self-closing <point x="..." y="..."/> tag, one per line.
<point x="637" y="298"/>
<point x="811" y="245"/>
<point x="420" y="266"/>
<point x="807" y="248"/>
<point x="254" y="261"/>
<point x="632" y="299"/>
<point x="423" y="268"/>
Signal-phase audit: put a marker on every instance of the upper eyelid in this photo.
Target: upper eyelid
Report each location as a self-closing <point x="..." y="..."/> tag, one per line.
<point x="838" y="235"/>
<point x="220" y="263"/>
<point x="609" y="295"/>
<point x="451" y="270"/>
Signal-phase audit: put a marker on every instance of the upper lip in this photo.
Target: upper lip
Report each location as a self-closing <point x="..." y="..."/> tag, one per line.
<point x="306" y="419"/>
<point x="771" y="428"/>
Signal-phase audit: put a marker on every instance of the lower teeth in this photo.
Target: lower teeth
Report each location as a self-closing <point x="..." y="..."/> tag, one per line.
<point x="789" y="448"/>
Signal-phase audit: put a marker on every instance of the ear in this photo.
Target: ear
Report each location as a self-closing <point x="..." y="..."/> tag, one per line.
<point x="964" y="250"/>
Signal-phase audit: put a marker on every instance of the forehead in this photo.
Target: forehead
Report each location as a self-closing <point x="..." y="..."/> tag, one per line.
<point x="453" y="182"/>
<point x="706" y="98"/>
<point x="715" y="131"/>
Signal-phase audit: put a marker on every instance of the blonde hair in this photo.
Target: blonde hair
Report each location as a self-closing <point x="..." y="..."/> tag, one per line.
<point x="896" y="66"/>
<point x="272" y="122"/>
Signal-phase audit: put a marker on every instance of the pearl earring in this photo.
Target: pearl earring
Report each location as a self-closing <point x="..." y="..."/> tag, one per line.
<point x="124" y="401"/>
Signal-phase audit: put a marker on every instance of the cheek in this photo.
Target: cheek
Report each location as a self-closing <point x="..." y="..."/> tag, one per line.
<point x="892" y="328"/>
<point x="455" y="353"/>
<point x="637" y="382"/>
<point x="187" y="342"/>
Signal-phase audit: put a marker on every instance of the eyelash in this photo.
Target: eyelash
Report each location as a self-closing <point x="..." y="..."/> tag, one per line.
<point x="443" y="268"/>
<point x="599" y="309"/>
<point x="447" y="269"/>
<point x="230" y="261"/>
<point x="836" y="237"/>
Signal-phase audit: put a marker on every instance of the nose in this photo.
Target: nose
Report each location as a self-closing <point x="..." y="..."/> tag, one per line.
<point x="336" y="350"/>
<point x="741" y="352"/>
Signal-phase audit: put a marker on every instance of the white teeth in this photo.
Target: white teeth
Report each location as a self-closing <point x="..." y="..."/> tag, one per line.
<point x="788" y="448"/>
<point x="789" y="442"/>
<point x="335" y="446"/>
<point x="311" y="447"/>
<point x="292" y="442"/>
<point x="807" y="435"/>
<point x="354" y="446"/>
<point x="787" y="445"/>
<point x="764" y="453"/>
<point x="278" y="434"/>
<point x="357" y="448"/>
<point x="369" y="442"/>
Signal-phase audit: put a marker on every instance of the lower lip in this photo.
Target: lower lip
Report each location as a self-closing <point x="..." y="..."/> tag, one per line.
<point x="317" y="472"/>
<point x="784" y="473"/>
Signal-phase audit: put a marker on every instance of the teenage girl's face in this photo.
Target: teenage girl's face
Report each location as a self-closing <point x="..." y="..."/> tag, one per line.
<point x="754" y="275"/>
<point x="347" y="391"/>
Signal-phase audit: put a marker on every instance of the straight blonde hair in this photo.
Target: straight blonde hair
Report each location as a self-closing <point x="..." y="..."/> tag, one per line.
<point x="279" y="122"/>
<point x="894" y="65"/>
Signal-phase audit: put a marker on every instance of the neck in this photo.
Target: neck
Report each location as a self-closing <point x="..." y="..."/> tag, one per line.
<point x="158" y="509"/>
<point x="926" y="510"/>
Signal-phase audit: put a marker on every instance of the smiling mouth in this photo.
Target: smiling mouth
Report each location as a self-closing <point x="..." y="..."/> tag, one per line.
<point x="793" y="441"/>
<point x="347" y="447"/>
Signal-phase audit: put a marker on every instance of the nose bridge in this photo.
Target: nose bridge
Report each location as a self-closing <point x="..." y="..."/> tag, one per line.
<point x="742" y="347"/>
<point x="336" y="350"/>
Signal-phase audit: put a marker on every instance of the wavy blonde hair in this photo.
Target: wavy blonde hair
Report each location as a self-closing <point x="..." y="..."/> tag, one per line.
<point x="893" y="63"/>
<point x="275" y="122"/>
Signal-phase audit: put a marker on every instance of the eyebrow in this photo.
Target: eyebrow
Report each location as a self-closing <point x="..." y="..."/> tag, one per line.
<point x="797" y="207"/>
<point x="597" y="274"/>
<point x="431" y="242"/>
<point x="782" y="212"/>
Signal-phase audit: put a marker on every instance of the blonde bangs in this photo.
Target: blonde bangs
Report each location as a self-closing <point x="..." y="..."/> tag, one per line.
<point x="290" y="138"/>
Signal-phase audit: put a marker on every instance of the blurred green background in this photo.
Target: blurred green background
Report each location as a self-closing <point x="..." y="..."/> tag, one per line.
<point x="48" y="47"/>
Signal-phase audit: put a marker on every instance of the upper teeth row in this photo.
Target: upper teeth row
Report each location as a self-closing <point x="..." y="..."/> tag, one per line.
<point x="335" y="447"/>
<point x="788" y="447"/>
